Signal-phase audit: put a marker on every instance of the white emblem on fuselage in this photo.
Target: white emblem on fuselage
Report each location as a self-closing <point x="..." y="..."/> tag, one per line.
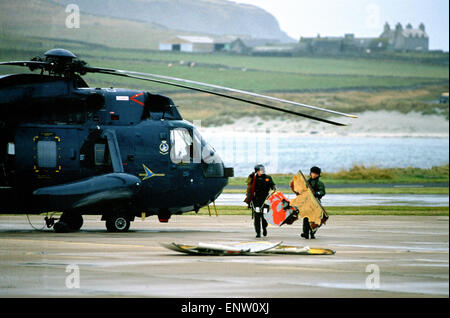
<point x="164" y="148"/>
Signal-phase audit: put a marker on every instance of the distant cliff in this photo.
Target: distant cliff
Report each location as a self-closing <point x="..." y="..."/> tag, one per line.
<point x="216" y="17"/>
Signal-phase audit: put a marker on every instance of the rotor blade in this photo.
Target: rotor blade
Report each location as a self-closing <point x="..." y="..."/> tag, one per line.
<point x="112" y="72"/>
<point x="24" y="63"/>
<point x="169" y="78"/>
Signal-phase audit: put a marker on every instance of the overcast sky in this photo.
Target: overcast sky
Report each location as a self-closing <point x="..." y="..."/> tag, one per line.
<point x="361" y="17"/>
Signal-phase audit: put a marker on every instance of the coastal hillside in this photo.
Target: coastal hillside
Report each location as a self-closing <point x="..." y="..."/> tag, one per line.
<point x="133" y="24"/>
<point x="216" y="17"/>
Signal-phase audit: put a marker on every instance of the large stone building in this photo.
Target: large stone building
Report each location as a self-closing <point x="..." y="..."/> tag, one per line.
<point x="399" y="39"/>
<point x="406" y="39"/>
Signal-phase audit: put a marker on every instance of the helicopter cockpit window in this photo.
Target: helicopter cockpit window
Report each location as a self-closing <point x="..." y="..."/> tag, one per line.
<point x="212" y="164"/>
<point x="46" y="154"/>
<point x="204" y="150"/>
<point x="181" y="146"/>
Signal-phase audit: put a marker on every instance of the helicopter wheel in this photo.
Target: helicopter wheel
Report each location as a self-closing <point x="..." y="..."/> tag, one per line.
<point x="117" y="223"/>
<point x="68" y="222"/>
<point x="61" y="227"/>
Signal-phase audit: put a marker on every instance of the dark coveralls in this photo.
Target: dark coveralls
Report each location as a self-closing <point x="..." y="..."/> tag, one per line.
<point x="318" y="187"/>
<point x="263" y="184"/>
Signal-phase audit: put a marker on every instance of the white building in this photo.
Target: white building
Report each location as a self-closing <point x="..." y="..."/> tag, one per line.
<point x="200" y="44"/>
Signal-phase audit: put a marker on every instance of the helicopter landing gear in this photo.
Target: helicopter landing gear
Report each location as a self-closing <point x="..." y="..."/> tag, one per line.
<point x="117" y="223"/>
<point x="68" y="222"/>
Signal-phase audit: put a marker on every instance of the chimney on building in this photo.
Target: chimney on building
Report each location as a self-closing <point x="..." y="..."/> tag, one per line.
<point x="422" y="27"/>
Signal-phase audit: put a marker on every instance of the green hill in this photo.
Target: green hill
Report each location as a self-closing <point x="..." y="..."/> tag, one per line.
<point x="45" y="20"/>
<point x="134" y="24"/>
<point x="217" y="17"/>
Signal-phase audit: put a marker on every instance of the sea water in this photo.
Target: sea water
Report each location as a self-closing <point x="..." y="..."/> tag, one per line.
<point x="290" y="153"/>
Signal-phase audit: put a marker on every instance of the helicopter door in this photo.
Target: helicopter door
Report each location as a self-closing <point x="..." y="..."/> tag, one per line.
<point x="95" y="154"/>
<point x="114" y="151"/>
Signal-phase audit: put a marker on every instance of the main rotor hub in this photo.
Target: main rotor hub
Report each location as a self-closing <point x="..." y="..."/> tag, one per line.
<point x="63" y="62"/>
<point x="60" y="53"/>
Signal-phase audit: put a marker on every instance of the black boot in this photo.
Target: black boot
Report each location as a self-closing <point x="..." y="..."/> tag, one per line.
<point x="311" y="233"/>
<point x="306" y="228"/>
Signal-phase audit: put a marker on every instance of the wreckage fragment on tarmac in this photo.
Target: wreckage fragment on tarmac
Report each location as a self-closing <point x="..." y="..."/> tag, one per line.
<point x="299" y="250"/>
<point x="246" y="248"/>
<point x="306" y="202"/>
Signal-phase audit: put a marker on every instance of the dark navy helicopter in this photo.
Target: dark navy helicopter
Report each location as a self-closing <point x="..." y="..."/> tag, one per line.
<point x="113" y="152"/>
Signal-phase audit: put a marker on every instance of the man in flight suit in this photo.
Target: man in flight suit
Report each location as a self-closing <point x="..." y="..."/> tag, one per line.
<point x="259" y="184"/>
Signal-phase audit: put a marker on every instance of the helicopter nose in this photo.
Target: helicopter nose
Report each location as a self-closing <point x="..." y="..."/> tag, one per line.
<point x="214" y="186"/>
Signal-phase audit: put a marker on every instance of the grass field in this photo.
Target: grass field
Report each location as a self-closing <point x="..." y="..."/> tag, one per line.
<point x="266" y="74"/>
<point x="372" y="175"/>
<point x="216" y="112"/>
<point x="339" y="210"/>
<point x="393" y="190"/>
<point x="370" y="210"/>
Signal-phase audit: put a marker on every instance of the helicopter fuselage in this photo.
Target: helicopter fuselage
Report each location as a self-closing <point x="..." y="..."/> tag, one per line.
<point x="95" y="151"/>
<point x="116" y="152"/>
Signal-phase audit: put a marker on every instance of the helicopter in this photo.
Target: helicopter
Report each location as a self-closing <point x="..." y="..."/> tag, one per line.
<point x="118" y="153"/>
